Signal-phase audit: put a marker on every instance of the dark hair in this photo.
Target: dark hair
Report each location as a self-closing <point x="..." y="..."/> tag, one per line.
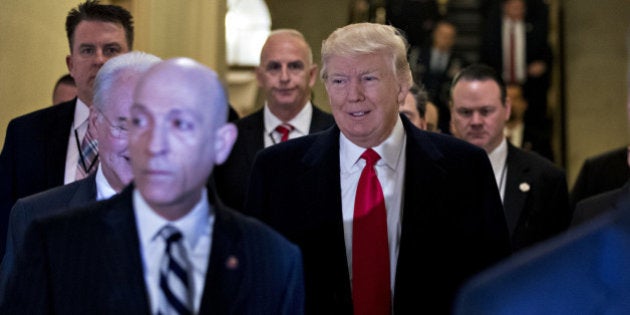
<point x="92" y="10"/>
<point x="421" y="97"/>
<point x="65" y="79"/>
<point x="479" y="72"/>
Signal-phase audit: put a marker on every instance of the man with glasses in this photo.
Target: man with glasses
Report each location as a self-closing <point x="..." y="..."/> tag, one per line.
<point x="113" y="89"/>
<point x="44" y="149"/>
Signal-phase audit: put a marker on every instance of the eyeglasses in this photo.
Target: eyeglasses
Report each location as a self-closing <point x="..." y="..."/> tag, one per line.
<point x="117" y="131"/>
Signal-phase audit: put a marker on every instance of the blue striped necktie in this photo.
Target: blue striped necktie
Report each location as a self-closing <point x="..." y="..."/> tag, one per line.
<point x="176" y="285"/>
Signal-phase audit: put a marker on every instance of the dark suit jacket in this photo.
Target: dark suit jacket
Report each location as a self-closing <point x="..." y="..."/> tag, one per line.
<point x="40" y="205"/>
<point x="451" y="214"/>
<point x="601" y="173"/>
<point x="583" y="271"/>
<point x="593" y="206"/>
<point x="536" y="200"/>
<point x="34" y="156"/>
<point x="88" y="261"/>
<point x="232" y="176"/>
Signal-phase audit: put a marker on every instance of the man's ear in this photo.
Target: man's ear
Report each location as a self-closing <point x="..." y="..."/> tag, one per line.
<point x="224" y="139"/>
<point x="69" y="64"/>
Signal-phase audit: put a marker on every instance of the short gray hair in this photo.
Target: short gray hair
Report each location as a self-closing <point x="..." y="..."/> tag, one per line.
<point x="129" y="65"/>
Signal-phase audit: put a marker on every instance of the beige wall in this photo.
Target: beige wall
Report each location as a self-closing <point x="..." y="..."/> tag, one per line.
<point x="596" y="81"/>
<point x="33" y="48"/>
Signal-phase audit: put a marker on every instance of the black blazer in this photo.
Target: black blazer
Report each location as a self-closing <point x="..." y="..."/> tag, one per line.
<point x="232" y="176"/>
<point x="536" y="200"/>
<point x="34" y="156"/>
<point x="88" y="261"/>
<point x="452" y="220"/>
<point x="601" y="173"/>
<point x="593" y="206"/>
<point x="40" y="205"/>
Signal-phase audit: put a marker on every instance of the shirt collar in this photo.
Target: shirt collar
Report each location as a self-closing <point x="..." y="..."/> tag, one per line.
<point x="498" y="156"/>
<point x="192" y="226"/>
<point x="81" y="113"/>
<point x="103" y="189"/>
<point x="301" y="122"/>
<point x="389" y="150"/>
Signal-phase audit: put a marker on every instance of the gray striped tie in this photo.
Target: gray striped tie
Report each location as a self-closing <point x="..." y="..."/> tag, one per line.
<point x="176" y="285"/>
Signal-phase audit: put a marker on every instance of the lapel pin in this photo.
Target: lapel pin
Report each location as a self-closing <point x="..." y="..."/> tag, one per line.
<point x="231" y="263"/>
<point x="524" y="187"/>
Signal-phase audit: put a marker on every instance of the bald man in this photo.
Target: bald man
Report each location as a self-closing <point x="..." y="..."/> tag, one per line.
<point x="286" y="75"/>
<point x="118" y="256"/>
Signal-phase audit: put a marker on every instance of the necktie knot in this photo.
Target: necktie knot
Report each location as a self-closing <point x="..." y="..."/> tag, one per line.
<point x="171" y="235"/>
<point x="284" y="130"/>
<point x="371" y="157"/>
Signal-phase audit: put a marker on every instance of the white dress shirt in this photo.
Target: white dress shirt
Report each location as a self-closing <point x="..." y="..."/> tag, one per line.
<point x="103" y="189"/>
<point x="196" y="228"/>
<point x="301" y="124"/>
<point x="81" y="115"/>
<point x="390" y="171"/>
<point x="498" y="159"/>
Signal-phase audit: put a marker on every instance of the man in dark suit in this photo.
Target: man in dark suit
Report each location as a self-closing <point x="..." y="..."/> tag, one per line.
<point x="438" y="196"/>
<point x="595" y="205"/>
<point x="286" y="75"/>
<point x="113" y="87"/>
<point x="531" y="57"/>
<point x="534" y="191"/>
<point x="435" y="65"/>
<point x="164" y="244"/>
<point x="41" y="149"/>
<point x="583" y="271"/>
<point x="600" y="173"/>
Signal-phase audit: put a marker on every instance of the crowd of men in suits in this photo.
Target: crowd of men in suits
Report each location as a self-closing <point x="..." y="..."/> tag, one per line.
<point x="187" y="212"/>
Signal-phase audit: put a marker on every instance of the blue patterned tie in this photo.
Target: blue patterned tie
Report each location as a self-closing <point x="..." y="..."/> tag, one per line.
<point x="175" y="281"/>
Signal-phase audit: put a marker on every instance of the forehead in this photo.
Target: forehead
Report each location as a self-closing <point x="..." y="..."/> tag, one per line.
<point x="358" y="65"/>
<point x="99" y="32"/>
<point x="120" y="95"/>
<point x="158" y="94"/>
<point x="469" y="93"/>
<point x="284" y="47"/>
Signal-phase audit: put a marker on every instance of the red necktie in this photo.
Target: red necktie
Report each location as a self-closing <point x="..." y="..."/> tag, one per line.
<point x="284" y="131"/>
<point x="371" y="293"/>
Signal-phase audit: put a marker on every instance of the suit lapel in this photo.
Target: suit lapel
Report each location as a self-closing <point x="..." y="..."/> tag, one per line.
<point x="57" y="143"/>
<point x="223" y="286"/>
<point x="122" y="259"/>
<point x="253" y="135"/>
<point x="516" y="187"/>
<point x="424" y="185"/>
<point x="320" y="176"/>
<point x="84" y="193"/>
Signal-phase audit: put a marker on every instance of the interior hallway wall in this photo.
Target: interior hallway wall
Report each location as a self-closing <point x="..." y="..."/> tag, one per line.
<point x="596" y="78"/>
